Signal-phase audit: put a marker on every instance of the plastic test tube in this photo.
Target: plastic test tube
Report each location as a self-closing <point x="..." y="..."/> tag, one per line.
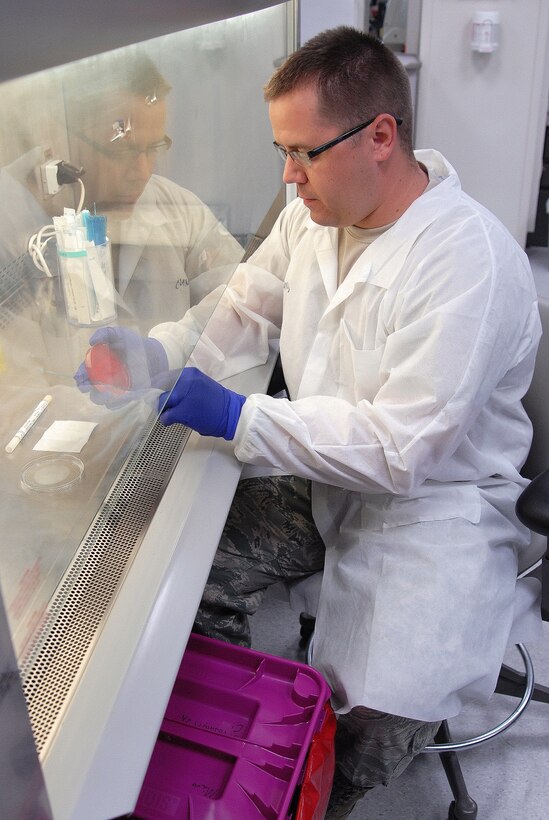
<point x="24" y="429"/>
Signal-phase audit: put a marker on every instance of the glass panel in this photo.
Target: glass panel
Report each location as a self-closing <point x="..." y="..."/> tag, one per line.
<point x="167" y="146"/>
<point x="21" y="781"/>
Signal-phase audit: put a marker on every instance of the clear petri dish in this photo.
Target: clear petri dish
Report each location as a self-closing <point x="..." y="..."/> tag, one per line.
<point x="52" y="474"/>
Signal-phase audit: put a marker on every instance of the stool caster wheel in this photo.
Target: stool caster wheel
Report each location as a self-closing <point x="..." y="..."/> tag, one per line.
<point x="467" y="811"/>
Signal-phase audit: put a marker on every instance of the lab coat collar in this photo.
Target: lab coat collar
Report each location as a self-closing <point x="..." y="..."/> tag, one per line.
<point x="325" y="244"/>
<point x="392" y="247"/>
<point x="133" y="234"/>
<point x="146" y="208"/>
<point x="382" y="261"/>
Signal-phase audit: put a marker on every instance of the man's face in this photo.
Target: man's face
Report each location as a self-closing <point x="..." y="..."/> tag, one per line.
<point x="340" y="186"/>
<point x="116" y="171"/>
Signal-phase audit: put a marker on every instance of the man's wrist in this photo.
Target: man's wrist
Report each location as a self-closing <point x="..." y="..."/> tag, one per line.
<point x="157" y="359"/>
<point x="234" y="409"/>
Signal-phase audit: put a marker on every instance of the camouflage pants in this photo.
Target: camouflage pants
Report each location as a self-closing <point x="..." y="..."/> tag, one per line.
<point x="373" y="748"/>
<point x="270" y="536"/>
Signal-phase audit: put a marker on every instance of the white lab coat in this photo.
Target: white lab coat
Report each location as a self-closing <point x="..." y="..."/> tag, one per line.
<point x="405" y="411"/>
<point x="172" y="252"/>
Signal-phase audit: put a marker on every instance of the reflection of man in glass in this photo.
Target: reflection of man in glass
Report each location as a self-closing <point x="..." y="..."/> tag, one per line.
<point x="168" y="247"/>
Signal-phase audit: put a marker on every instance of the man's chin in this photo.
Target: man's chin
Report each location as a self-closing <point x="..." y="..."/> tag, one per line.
<point x="128" y="199"/>
<point x="317" y="213"/>
<point x="125" y="203"/>
<point x="321" y="219"/>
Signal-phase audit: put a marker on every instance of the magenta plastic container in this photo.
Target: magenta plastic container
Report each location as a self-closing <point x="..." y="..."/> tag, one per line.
<point x="235" y="736"/>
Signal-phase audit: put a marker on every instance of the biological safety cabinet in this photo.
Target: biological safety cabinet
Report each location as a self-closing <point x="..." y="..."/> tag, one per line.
<point x="136" y="172"/>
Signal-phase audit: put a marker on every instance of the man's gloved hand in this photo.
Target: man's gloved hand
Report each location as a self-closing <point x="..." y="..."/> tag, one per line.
<point x="137" y="364"/>
<point x="202" y="404"/>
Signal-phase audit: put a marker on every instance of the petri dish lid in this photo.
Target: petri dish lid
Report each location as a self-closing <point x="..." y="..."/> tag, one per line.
<point x="51" y="474"/>
<point x="106" y="370"/>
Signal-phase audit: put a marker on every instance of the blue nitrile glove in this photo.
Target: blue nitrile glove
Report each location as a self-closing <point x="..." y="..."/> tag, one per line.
<point x="144" y="359"/>
<point x="202" y="404"/>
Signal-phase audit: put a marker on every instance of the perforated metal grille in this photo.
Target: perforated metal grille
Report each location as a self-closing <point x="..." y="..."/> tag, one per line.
<point x="15" y="288"/>
<point x="55" y="660"/>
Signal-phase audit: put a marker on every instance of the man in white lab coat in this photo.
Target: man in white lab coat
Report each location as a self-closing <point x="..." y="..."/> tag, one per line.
<point x="169" y="249"/>
<point x="408" y="328"/>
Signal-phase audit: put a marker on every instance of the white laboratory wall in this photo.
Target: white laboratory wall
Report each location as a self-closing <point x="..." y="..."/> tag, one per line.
<point x="487" y="111"/>
<point x="317" y="15"/>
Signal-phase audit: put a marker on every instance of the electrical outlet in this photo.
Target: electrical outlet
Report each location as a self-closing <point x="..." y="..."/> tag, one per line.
<point x="48" y="177"/>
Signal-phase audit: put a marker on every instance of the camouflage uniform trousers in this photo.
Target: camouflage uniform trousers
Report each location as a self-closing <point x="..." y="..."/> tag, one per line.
<point x="270" y="536"/>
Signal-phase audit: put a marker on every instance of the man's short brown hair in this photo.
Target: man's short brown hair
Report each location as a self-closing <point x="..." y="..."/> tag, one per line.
<point x="355" y="75"/>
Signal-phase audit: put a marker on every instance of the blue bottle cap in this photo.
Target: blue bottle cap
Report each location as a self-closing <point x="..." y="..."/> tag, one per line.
<point x="96" y="228"/>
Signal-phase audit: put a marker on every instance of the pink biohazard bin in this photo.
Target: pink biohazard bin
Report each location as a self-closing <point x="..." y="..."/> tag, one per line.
<point x="235" y="736"/>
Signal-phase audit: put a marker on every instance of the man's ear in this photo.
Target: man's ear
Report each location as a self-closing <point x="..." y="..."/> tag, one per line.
<point x="384" y="136"/>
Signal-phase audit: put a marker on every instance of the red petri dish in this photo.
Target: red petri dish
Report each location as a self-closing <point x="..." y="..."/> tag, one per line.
<point x="106" y="371"/>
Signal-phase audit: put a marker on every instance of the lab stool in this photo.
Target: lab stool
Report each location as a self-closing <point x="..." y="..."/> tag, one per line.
<point x="510" y="682"/>
<point x="532" y="510"/>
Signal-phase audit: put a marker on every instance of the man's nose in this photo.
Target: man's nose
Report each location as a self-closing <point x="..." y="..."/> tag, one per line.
<point x="293" y="172"/>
